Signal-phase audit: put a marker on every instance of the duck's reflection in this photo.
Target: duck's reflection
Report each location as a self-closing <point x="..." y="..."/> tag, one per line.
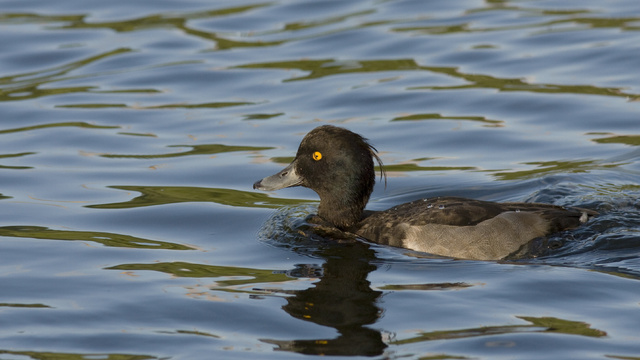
<point x="342" y="299"/>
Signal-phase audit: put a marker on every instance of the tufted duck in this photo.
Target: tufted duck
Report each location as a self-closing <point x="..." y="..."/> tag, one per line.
<point x="338" y="165"/>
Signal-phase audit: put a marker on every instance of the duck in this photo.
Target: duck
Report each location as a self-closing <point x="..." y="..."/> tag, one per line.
<point x="338" y="165"/>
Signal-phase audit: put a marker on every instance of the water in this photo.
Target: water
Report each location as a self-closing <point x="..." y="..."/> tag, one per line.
<point x="131" y="133"/>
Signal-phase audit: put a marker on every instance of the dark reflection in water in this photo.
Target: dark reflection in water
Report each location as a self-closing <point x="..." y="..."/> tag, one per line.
<point x="342" y="299"/>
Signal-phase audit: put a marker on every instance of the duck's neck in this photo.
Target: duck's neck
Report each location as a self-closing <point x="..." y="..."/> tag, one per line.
<point x="343" y="211"/>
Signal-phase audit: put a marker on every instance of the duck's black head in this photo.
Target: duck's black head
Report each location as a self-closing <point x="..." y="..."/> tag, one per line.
<point x="338" y="165"/>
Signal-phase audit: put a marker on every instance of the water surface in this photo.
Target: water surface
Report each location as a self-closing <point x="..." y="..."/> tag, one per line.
<point x="131" y="134"/>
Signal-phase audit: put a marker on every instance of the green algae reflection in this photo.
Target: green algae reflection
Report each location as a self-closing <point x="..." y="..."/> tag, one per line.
<point x="77" y="124"/>
<point x="536" y="324"/>
<point x="18" y="305"/>
<point x="104" y="238"/>
<point x="210" y="105"/>
<point x="175" y="20"/>
<point x="571" y="19"/>
<point x="631" y="140"/>
<point x="205" y="149"/>
<point x="38" y="355"/>
<point x="185" y="269"/>
<point x="178" y="21"/>
<point x="433" y="116"/>
<point x="315" y="69"/>
<point x="191" y="270"/>
<point x="3" y="156"/>
<point x="545" y="168"/>
<point x="36" y="84"/>
<point x="161" y="195"/>
<point x="329" y="67"/>
<point x="406" y="167"/>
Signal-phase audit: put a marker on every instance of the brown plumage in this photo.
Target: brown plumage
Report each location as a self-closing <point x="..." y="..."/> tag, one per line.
<point x="338" y="165"/>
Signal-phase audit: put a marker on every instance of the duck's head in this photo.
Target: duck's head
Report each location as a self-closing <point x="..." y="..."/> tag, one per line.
<point x="338" y="165"/>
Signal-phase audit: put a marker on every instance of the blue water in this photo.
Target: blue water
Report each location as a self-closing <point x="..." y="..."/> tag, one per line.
<point x="131" y="133"/>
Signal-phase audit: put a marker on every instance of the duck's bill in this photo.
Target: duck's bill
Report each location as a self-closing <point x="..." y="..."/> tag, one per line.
<point x="285" y="178"/>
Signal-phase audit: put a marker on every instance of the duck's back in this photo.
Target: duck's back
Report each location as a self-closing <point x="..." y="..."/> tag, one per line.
<point x="465" y="228"/>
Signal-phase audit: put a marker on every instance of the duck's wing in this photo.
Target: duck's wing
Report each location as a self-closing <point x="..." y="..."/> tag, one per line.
<point x="466" y="228"/>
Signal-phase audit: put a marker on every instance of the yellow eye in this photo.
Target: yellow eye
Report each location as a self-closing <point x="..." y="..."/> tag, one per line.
<point x="317" y="155"/>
